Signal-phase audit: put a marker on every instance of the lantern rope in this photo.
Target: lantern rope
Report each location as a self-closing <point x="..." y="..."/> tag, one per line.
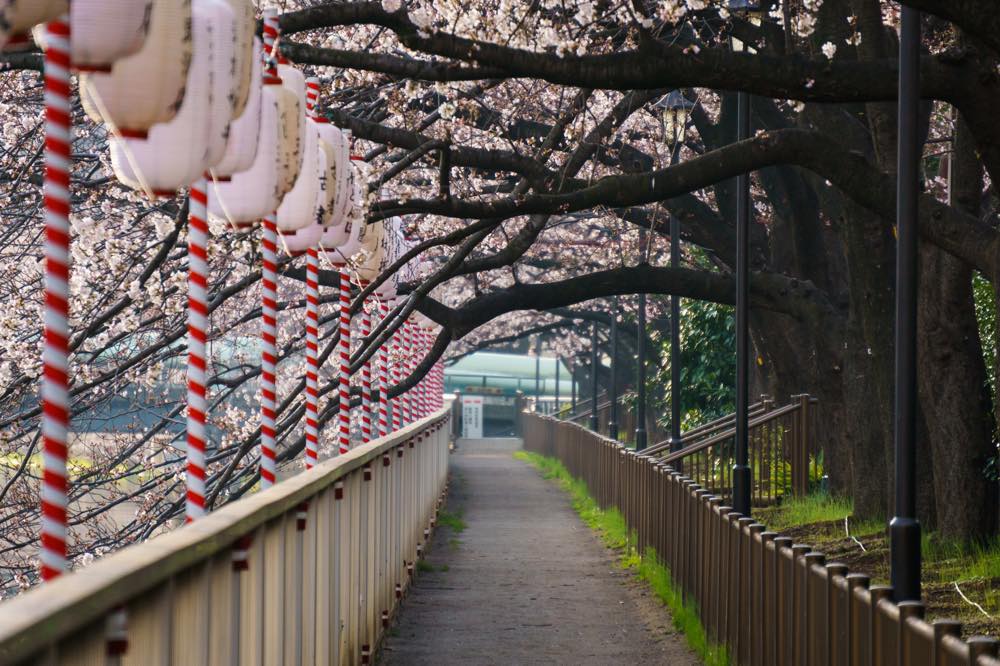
<point x="55" y="355"/>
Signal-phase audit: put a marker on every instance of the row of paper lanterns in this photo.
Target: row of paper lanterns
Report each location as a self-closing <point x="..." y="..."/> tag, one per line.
<point x="183" y="89"/>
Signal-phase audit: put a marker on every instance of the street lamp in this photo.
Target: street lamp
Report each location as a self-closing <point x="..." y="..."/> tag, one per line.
<point x="904" y="530"/>
<point x="613" y="389"/>
<point x="572" y="383"/>
<point x="640" y="352"/>
<point x="742" y="474"/>
<point x="593" y="377"/>
<point x="538" y="363"/>
<point x="675" y="109"/>
<point x="558" y="363"/>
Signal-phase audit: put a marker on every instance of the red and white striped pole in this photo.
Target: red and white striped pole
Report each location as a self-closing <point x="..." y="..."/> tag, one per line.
<point x="439" y="385"/>
<point x="397" y="411"/>
<point x="383" y="379"/>
<point x="55" y="355"/>
<point x="269" y="353"/>
<point x="197" y="401"/>
<point x="368" y="416"/>
<point x="312" y="320"/>
<point x="406" y="342"/>
<point x="312" y="357"/>
<point x="269" y="307"/>
<point x="345" y="361"/>
<point x="425" y="408"/>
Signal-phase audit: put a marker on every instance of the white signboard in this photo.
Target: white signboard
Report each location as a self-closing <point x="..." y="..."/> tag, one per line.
<point x="472" y="416"/>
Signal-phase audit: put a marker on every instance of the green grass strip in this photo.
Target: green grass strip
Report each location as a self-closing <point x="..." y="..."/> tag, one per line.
<point x="610" y="525"/>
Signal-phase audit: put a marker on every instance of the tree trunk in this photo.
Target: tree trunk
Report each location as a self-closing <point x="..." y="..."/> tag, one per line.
<point x="954" y="393"/>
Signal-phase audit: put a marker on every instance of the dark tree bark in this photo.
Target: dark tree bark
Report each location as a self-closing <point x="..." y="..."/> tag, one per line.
<point x="954" y="393"/>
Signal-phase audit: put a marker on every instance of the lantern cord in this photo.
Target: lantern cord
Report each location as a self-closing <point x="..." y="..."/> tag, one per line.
<point x="55" y="354"/>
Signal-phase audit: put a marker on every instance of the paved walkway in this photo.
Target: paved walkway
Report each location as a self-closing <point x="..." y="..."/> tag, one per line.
<point x="525" y="583"/>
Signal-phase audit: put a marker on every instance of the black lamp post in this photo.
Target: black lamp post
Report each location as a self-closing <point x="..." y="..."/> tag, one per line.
<point x="742" y="474"/>
<point x="593" y="378"/>
<point x="538" y="373"/>
<point x="675" y="111"/>
<point x="558" y="363"/>
<point x="904" y="530"/>
<point x="640" y="352"/>
<point x="572" y="384"/>
<point x="613" y="413"/>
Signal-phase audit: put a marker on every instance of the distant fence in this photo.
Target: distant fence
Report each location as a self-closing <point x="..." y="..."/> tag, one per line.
<point x="306" y="572"/>
<point x="768" y="599"/>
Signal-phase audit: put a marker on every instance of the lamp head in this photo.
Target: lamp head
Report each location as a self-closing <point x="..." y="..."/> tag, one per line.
<point x="675" y="110"/>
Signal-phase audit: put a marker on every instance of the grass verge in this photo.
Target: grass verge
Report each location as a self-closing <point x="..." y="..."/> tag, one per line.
<point x="610" y="525"/>
<point x="960" y="580"/>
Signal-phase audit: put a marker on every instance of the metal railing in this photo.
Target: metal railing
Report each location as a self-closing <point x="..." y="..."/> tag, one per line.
<point x="768" y="599"/>
<point x="784" y="452"/>
<point x="306" y="572"/>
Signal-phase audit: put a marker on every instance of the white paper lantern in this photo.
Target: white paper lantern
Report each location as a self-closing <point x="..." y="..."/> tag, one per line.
<point x="354" y="222"/>
<point x="393" y="245"/>
<point x="148" y="87"/>
<point x="327" y="178"/>
<point x="241" y="145"/>
<point x="294" y="81"/>
<point x="224" y="84"/>
<point x="297" y="242"/>
<point x="104" y="31"/>
<point x="18" y="17"/>
<point x="246" y="51"/>
<point x="177" y="153"/>
<point x="372" y="251"/>
<point x="252" y="194"/>
<point x="340" y="253"/>
<point x="345" y="195"/>
<point x="302" y="206"/>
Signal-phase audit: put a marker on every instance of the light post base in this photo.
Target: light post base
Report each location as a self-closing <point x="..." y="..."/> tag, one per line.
<point x="593" y="423"/>
<point x="613" y="430"/>
<point x="904" y="545"/>
<point x="640" y="439"/>
<point x="741" y="489"/>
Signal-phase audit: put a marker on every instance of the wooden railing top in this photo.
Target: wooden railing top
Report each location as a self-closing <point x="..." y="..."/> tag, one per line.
<point x="726" y="434"/>
<point x="44" y="614"/>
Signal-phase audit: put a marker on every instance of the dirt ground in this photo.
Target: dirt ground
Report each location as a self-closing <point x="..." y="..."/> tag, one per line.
<point x="525" y="581"/>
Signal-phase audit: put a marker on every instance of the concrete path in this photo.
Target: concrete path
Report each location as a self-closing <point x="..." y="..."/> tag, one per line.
<point x="526" y="582"/>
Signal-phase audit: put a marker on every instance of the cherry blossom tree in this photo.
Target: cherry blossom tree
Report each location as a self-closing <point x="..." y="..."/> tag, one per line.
<point x="521" y="145"/>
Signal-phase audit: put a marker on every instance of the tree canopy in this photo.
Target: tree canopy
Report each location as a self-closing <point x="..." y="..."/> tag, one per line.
<point x="522" y="145"/>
